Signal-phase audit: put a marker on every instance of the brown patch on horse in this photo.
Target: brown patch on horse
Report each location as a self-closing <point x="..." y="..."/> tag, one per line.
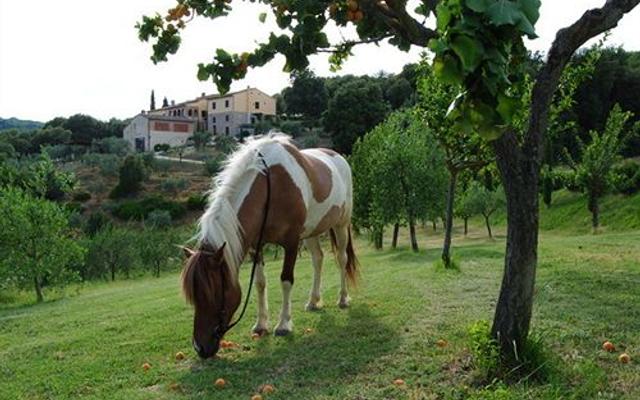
<point x="317" y="172"/>
<point x="287" y="211"/>
<point x="192" y="273"/>
<point x="330" y="219"/>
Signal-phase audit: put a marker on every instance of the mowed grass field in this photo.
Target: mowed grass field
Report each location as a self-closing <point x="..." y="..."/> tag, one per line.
<point x="93" y="345"/>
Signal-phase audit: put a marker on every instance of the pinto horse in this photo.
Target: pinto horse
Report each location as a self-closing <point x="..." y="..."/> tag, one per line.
<point x="269" y="192"/>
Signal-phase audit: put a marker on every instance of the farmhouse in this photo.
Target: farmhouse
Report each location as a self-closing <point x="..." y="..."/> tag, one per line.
<point x="147" y="130"/>
<point x="228" y="114"/>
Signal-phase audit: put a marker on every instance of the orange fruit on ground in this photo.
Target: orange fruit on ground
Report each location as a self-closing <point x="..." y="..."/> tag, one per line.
<point x="179" y="356"/>
<point x="308" y="330"/>
<point x="174" y="386"/>
<point x="219" y="383"/>
<point x="442" y="343"/>
<point x="357" y="16"/>
<point x="398" y="382"/>
<point x="225" y="344"/>
<point x="351" y="15"/>
<point x="624" y="358"/>
<point x="608" y="346"/>
<point x="255" y="336"/>
<point x="353" y="5"/>
<point x="146" y="366"/>
<point x="256" y="397"/>
<point x="266" y="389"/>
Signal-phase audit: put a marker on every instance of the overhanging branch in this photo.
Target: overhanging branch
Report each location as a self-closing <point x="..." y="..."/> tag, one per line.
<point x="568" y="40"/>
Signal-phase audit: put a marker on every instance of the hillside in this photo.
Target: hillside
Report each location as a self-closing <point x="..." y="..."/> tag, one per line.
<point x="14" y="123"/>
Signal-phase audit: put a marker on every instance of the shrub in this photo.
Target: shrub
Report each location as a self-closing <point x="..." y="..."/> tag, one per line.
<point x="148" y="159"/>
<point x="627" y="177"/>
<point x="96" y="222"/>
<point x="162" y="166"/>
<point x="158" y="219"/>
<point x="111" y="145"/>
<point x="140" y="209"/>
<point x="161" y="147"/>
<point x="132" y="173"/>
<point x="156" y="248"/>
<point x="312" y="140"/>
<point x="197" y="202"/>
<point x="107" y="163"/>
<point x="293" y="128"/>
<point x="111" y="251"/>
<point x="82" y="196"/>
<point x="213" y="165"/>
<point x="174" y="185"/>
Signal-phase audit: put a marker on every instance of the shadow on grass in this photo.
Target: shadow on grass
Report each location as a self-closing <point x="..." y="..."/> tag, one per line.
<point x="313" y="364"/>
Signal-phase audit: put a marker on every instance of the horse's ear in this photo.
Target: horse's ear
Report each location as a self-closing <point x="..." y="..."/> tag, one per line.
<point x="187" y="251"/>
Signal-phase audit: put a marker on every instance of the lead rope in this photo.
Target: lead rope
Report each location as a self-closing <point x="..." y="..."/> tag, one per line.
<point x="258" y="253"/>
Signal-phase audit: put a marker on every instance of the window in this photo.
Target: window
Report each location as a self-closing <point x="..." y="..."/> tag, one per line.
<point x="190" y="112"/>
<point x="253" y="120"/>
<point x="257" y="105"/>
<point x="215" y="129"/>
<point x="226" y="118"/>
<point x="213" y="105"/>
<point x="226" y="103"/>
<point x="180" y="127"/>
<point x="213" y="119"/>
<point x="204" y="114"/>
<point x="226" y="130"/>
<point x="161" y="126"/>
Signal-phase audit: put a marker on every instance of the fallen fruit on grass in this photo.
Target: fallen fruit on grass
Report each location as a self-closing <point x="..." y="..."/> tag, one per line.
<point x="146" y="366"/>
<point x="624" y="358"/>
<point x="174" y="386"/>
<point x="226" y="344"/>
<point x="266" y="389"/>
<point x="179" y="356"/>
<point x="308" y="330"/>
<point x="442" y="343"/>
<point x="219" y="383"/>
<point x="608" y="346"/>
<point x="255" y="336"/>
<point x="256" y="397"/>
<point x="398" y="382"/>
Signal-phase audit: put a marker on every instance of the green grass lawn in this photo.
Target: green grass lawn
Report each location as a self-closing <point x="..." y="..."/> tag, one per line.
<point x="92" y="345"/>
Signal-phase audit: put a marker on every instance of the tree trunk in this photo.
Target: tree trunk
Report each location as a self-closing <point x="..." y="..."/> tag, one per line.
<point x="446" y="248"/>
<point x="435" y="227"/>
<point x="594" y="207"/>
<point x="466" y="225"/>
<point x="38" y="287"/>
<point x="157" y="270"/>
<point x="520" y="176"/>
<point x="378" y="238"/>
<point x="486" y="221"/>
<point x="113" y="273"/>
<point x="394" y="242"/>
<point x="412" y="233"/>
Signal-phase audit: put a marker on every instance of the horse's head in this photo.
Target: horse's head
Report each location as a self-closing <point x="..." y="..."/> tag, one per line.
<point x="208" y="285"/>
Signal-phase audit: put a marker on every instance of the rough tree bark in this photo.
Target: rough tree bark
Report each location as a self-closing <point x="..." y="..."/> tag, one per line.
<point x="519" y="165"/>
<point x="594" y="207"/>
<point x="488" y="224"/>
<point x="446" y="248"/>
<point x="412" y="233"/>
<point x="38" y="287"/>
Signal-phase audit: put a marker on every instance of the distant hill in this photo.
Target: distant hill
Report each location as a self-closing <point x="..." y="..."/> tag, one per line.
<point x="14" y="123"/>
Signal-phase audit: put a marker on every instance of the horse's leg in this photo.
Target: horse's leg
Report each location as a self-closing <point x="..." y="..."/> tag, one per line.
<point x="313" y="245"/>
<point x="342" y="238"/>
<point x="285" y="326"/>
<point x="262" y="324"/>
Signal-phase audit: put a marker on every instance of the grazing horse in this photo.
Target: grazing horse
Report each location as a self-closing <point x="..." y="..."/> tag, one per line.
<point x="268" y="192"/>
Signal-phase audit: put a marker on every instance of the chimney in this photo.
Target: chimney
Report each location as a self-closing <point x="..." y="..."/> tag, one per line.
<point x="143" y="112"/>
<point x="173" y="102"/>
<point x="203" y="94"/>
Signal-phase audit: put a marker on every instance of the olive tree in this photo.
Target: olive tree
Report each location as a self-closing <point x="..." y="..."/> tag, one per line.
<point x="36" y="244"/>
<point x="478" y="44"/>
<point x="594" y="170"/>
<point x="401" y="169"/>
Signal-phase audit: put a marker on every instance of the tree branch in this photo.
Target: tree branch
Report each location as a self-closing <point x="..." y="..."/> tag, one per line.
<point x="568" y="40"/>
<point x="351" y="43"/>
<point x="393" y="13"/>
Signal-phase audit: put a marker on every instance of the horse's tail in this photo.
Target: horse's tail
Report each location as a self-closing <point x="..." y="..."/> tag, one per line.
<point x="353" y="266"/>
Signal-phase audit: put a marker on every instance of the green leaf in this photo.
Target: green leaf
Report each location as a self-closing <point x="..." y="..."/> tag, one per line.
<point x="507" y="107"/>
<point x="478" y="5"/>
<point x="531" y="9"/>
<point x="262" y="17"/>
<point x="447" y="69"/>
<point x="444" y="17"/>
<point x="504" y="12"/>
<point x="470" y="51"/>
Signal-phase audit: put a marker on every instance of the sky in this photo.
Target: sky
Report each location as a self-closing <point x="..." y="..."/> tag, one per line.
<point x="62" y="57"/>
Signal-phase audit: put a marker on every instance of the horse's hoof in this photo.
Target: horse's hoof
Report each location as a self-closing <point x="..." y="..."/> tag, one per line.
<point x="260" y="331"/>
<point x="313" y="306"/>
<point x="344" y="304"/>
<point x="282" y="332"/>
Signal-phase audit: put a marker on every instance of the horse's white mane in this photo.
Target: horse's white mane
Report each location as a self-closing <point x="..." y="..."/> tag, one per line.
<point x="219" y="224"/>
